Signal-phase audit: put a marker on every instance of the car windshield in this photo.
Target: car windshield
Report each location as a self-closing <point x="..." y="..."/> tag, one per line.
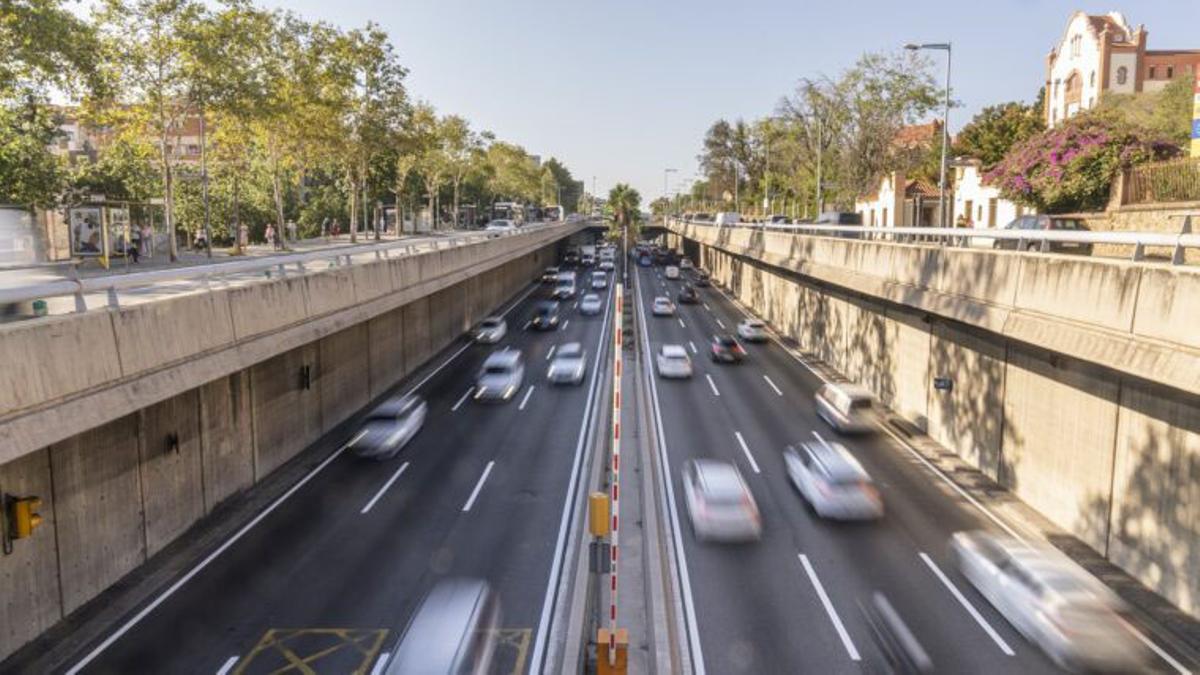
<point x="490" y="323"/>
<point x="496" y="369"/>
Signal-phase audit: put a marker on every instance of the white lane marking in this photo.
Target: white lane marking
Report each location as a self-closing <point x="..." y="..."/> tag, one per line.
<point x="528" y="324"/>
<point x="478" y="486"/>
<point x="746" y="449"/>
<point x="228" y="665"/>
<point x="829" y="609"/>
<point x="550" y="354"/>
<point x="465" y="396"/>
<point x="380" y="663"/>
<point x="1179" y="667"/>
<point x="772" y="385"/>
<point x="566" y="323"/>
<point x="707" y="307"/>
<point x="681" y="323"/>
<point x="560" y="547"/>
<point x="692" y="345"/>
<point x="357" y="437"/>
<point x="525" y="399"/>
<point x="962" y="600"/>
<point x="719" y="323"/>
<point x="669" y="504"/>
<point x="712" y="384"/>
<point x="174" y="588"/>
<point x="384" y="489"/>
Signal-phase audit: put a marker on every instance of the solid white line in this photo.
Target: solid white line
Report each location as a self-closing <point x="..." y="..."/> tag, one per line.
<point x="1179" y="667"/>
<point x="550" y="354"/>
<point x="692" y="345"/>
<point x="384" y="489"/>
<point x="478" y="486"/>
<point x="464" y="398"/>
<point x="712" y="384"/>
<point x="380" y="663"/>
<point x="681" y="323"/>
<point x="228" y="665"/>
<point x="137" y="618"/>
<point x="528" y="393"/>
<point x="833" y="615"/>
<point x="566" y="323"/>
<point x="350" y="443"/>
<point x="722" y="325"/>
<point x="746" y="449"/>
<point x="987" y="628"/>
<point x="772" y="384"/>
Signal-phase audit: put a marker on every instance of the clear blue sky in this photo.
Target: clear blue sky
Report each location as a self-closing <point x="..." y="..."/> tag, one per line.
<point x="621" y="89"/>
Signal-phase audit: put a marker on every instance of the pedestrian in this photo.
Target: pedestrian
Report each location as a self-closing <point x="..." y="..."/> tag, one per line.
<point x="337" y="228"/>
<point x="199" y="243"/>
<point x="325" y="228"/>
<point x="147" y="241"/>
<point x="271" y="236"/>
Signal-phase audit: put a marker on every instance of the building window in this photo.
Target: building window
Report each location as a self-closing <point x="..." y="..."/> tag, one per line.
<point x="1170" y="72"/>
<point x="883" y="220"/>
<point x="1122" y="75"/>
<point x="1152" y="72"/>
<point x="1076" y="45"/>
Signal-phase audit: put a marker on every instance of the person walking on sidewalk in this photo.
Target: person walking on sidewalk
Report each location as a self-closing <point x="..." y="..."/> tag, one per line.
<point x="271" y="237"/>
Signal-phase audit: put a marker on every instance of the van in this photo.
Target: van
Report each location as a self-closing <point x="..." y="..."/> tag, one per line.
<point x="453" y="631"/>
<point x="848" y="408"/>
<point x="727" y="218"/>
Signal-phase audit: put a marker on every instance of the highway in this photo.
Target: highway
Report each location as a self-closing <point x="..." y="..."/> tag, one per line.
<point x="791" y="601"/>
<point x="329" y="577"/>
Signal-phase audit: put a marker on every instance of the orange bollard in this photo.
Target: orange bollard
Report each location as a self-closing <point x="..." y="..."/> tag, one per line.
<point x="620" y="664"/>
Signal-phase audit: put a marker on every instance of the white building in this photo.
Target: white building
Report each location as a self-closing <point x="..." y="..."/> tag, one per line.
<point x="899" y="202"/>
<point x="978" y="204"/>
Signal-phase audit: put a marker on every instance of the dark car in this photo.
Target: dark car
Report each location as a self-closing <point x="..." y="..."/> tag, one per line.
<point x="842" y="218"/>
<point x="545" y="316"/>
<point x="1044" y="222"/>
<point x="687" y="295"/>
<point x="702" y="279"/>
<point x="727" y="349"/>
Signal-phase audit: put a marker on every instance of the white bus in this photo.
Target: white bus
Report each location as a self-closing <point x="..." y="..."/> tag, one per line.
<point x="508" y="211"/>
<point x="552" y="213"/>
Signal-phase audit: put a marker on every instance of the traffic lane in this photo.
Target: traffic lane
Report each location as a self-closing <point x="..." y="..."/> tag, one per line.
<point x="747" y="622"/>
<point x="254" y="582"/>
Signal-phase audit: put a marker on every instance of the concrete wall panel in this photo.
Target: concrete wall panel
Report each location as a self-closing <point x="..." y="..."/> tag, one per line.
<point x="172" y="472"/>
<point x="153" y="334"/>
<point x="226" y="437"/>
<point x="29" y="600"/>
<point x="906" y="382"/>
<point x="263" y="307"/>
<point x="1076" y="288"/>
<point x="385" y="349"/>
<point x="330" y="290"/>
<point x="415" y="323"/>
<point x="287" y="416"/>
<point x="343" y="377"/>
<point x="1167" y="306"/>
<point x="969" y="418"/>
<point x="34" y="368"/>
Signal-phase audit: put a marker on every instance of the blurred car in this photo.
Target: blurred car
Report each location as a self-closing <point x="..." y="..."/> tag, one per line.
<point x="607" y="265"/>
<point x="564" y="288"/>
<point x="599" y="280"/>
<point x="390" y="426"/>
<point x="719" y="502"/>
<point x="702" y="279"/>
<point x="848" y="408"/>
<point x="569" y="364"/>
<point x="687" y="295"/>
<point x="702" y="217"/>
<point x="777" y="220"/>
<point x="501" y="376"/>
<point x="545" y="316"/>
<point x="727" y="218"/>
<point x="727" y="349"/>
<point x="491" y="330"/>
<point x="1052" y="601"/>
<point x="571" y="259"/>
<point x="671" y="272"/>
<point x="644" y="260"/>
<point x="500" y="226"/>
<point x="454" y="631"/>
<point x="590" y="304"/>
<point x="1045" y="222"/>
<point x="832" y="481"/>
<point x="550" y="275"/>
<point x="673" y="362"/>
<point x="752" y="330"/>
<point x="587" y="260"/>
<point x="685" y="264"/>
<point x="663" y="306"/>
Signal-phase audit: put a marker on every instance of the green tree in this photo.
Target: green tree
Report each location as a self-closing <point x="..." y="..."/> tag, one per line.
<point x="1167" y="112"/>
<point x="990" y="135"/>
<point x="624" y="203"/>
<point x="462" y="150"/>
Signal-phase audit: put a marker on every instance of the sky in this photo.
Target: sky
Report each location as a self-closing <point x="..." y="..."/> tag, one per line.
<point x="623" y="89"/>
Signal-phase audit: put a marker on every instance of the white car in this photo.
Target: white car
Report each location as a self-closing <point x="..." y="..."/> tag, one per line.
<point x="719" y="502"/>
<point x="569" y="364"/>
<point x="1052" y="601"/>
<point x="752" y="330"/>
<point x="590" y="304"/>
<point x="671" y="272"/>
<point x="501" y="376"/>
<point x="607" y="265"/>
<point x="491" y="330"/>
<point x="848" y="408"/>
<point x="599" y="281"/>
<point x="673" y="362"/>
<point x="663" y="306"/>
<point x="390" y="426"/>
<point x="685" y="264"/>
<point x="500" y="226"/>
<point x="832" y="481"/>
<point x="550" y="275"/>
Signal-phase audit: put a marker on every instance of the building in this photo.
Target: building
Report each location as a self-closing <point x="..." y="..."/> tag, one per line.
<point x="81" y="139"/>
<point x="900" y="202"/>
<point x="976" y="204"/>
<point x="1103" y="54"/>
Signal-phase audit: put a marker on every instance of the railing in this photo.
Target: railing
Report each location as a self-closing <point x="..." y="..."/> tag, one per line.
<point x="1022" y="240"/>
<point x="1176" y="180"/>
<point x="281" y="265"/>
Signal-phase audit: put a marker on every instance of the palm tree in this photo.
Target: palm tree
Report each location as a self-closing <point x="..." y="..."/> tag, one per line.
<point x="624" y="204"/>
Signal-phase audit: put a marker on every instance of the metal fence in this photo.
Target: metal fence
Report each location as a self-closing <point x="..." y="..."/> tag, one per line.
<point x="1177" y="180"/>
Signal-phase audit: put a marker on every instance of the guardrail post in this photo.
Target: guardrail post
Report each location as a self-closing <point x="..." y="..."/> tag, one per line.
<point x="282" y="270"/>
<point x="112" y="298"/>
<point x="1139" y="252"/>
<point x="1178" y="256"/>
<point x="300" y="266"/>
<point x="80" y="302"/>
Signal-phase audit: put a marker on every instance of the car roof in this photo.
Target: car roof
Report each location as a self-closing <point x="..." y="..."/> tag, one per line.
<point x="852" y="390"/>
<point x="591" y="296"/>
<point x="674" y="351"/>
<point x="725" y="339"/>
<point x="837" y="460"/>
<point x="394" y="406"/>
<point x="754" y="322"/>
<point x="507" y="357"/>
<point x="441" y="627"/>
<point x="662" y="298"/>
<point x="719" y="478"/>
<point x="491" y="320"/>
<point x="570" y="349"/>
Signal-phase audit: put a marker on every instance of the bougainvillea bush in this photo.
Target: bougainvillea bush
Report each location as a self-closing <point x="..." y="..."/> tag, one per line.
<point x="1070" y="167"/>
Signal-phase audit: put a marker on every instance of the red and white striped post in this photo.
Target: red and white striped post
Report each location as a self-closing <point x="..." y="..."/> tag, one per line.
<point x="616" y="473"/>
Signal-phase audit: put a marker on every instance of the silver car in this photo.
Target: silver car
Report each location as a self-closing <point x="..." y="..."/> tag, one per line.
<point x="848" y="408"/>
<point x="752" y="330"/>
<point x="673" y="362"/>
<point x="501" y="376"/>
<point x="832" y="481"/>
<point x="390" y="426"/>
<point x="454" y="631"/>
<point x="569" y="364"/>
<point x="663" y="306"/>
<point x="719" y="502"/>
<point x="1052" y="601"/>
<point x="590" y="304"/>
<point x="491" y="330"/>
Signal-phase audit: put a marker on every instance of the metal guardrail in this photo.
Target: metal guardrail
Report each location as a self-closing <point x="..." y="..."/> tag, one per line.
<point x="268" y="265"/>
<point x="1026" y="240"/>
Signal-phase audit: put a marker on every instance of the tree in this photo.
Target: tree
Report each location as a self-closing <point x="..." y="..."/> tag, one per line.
<point x="1167" y="112"/>
<point x="990" y="135"/>
<point x="463" y="150"/>
<point x="624" y="203"/>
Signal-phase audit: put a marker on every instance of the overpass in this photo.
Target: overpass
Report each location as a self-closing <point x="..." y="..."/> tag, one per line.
<point x="1073" y="382"/>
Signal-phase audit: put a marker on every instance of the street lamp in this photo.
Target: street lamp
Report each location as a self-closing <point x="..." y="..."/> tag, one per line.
<point x="945" y="123"/>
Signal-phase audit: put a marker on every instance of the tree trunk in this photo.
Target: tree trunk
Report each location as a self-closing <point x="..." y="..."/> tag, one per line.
<point x="353" y="208"/>
<point x="168" y="201"/>
<point x="457" y="180"/>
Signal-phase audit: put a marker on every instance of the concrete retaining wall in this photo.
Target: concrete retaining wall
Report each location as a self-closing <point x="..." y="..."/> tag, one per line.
<point x="1075" y="382"/>
<point x="116" y="494"/>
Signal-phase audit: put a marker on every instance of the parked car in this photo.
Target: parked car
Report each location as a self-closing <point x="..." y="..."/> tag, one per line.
<point x="687" y="295"/>
<point x="454" y="631"/>
<point x="727" y="349"/>
<point x="673" y="362"/>
<point x="590" y="304"/>
<point x="1052" y="601"/>
<point x="832" y="481"/>
<point x="848" y="408"/>
<point x="663" y="306"/>
<point x="550" y="275"/>
<point x="545" y="316"/>
<point x="501" y="376"/>
<point x="727" y="218"/>
<point x="671" y="272"/>
<point x="569" y="364"/>
<point x="491" y="330"/>
<point x="599" y="280"/>
<point x="719" y="502"/>
<point x="1045" y="222"/>
<point x="752" y="330"/>
<point x="390" y="426"/>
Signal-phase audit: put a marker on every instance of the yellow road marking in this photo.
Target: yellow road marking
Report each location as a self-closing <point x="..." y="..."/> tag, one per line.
<point x="291" y="650"/>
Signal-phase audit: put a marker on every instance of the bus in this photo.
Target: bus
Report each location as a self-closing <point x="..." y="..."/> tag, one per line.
<point x="552" y="213"/>
<point x="508" y="211"/>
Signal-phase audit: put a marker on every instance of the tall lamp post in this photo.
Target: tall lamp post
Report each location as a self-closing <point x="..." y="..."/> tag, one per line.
<point x="666" y="190"/>
<point x="945" y="123"/>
